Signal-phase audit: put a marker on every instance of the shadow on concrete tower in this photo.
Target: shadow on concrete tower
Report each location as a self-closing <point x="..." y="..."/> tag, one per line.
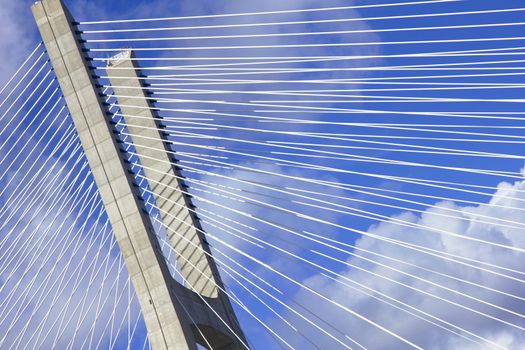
<point x="177" y="317"/>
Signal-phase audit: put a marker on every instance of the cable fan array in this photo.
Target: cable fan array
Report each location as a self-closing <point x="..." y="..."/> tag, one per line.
<point x="356" y="169"/>
<point x="63" y="283"/>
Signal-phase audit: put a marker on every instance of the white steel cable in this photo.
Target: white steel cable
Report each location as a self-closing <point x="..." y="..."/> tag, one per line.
<point x="114" y="286"/>
<point x="315" y="292"/>
<point x="345" y="186"/>
<point x="304" y="260"/>
<point x="462" y="330"/>
<point x="26" y="292"/>
<point x="327" y="110"/>
<point x="378" y="81"/>
<point x="320" y="110"/>
<point x="367" y="159"/>
<point x="58" y="335"/>
<point x="98" y="308"/>
<point x="344" y="44"/>
<point x="31" y="188"/>
<point x="41" y="206"/>
<point x="34" y="104"/>
<point x="379" y="293"/>
<point x="325" y="92"/>
<point x="234" y="194"/>
<point x="310" y="92"/>
<point x="519" y="224"/>
<point x="49" y="274"/>
<point x="262" y="24"/>
<point x="242" y="305"/>
<point x="35" y="117"/>
<point x="11" y="255"/>
<point x="416" y="277"/>
<point x="270" y="12"/>
<point x="20" y="81"/>
<point x="435" y="54"/>
<point x="226" y="66"/>
<point x="115" y="337"/>
<point x="20" y="134"/>
<point x="405" y="244"/>
<point x="14" y="206"/>
<point x="394" y="178"/>
<point x="170" y="229"/>
<point x="403" y="262"/>
<point x="12" y="231"/>
<point x="76" y="283"/>
<point x="163" y="243"/>
<point x="267" y="119"/>
<point x="43" y="297"/>
<point x="26" y="87"/>
<point x="100" y="302"/>
<point x="56" y="144"/>
<point x="424" y="182"/>
<point x="419" y="148"/>
<point x="6" y="85"/>
<point x="298" y="108"/>
<point x="370" y="159"/>
<point x="372" y="294"/>
<point x="301" y="34"/>
<point x="33" y="258"/>
<point x="429" y="183"/>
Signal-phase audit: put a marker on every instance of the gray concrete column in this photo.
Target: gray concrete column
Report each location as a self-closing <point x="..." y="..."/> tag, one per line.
<point x="168" y="327"/>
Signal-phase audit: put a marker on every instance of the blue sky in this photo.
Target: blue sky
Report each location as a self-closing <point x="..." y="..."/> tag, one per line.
<point x="425" y="220"/>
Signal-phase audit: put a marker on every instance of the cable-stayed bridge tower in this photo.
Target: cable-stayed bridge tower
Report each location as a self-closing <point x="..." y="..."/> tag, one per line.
<point x="176" y="317"/>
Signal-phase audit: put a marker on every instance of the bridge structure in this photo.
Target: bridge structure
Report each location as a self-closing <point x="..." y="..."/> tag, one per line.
<point x="307" y="178"/>
<point x="175" y="316"/>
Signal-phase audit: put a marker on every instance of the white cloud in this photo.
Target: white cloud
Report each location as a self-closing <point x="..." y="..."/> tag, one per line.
<point x="412" y="328"/>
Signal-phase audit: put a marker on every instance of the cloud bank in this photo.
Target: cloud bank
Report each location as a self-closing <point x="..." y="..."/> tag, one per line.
<point x="466" y="222"/>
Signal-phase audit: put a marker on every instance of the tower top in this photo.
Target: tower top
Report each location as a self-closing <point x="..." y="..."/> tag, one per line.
<point x="122" y="55"/>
